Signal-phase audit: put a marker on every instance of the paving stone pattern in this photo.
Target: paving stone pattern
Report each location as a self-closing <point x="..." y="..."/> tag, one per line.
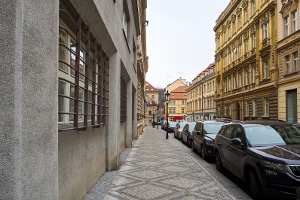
<point x="157" y="168"/>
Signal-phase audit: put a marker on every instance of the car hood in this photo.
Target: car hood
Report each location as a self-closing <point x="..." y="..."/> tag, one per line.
<point x="289" y="152"/>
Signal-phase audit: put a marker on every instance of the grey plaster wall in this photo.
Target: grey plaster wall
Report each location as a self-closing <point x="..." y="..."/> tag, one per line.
<point x="28" y="125"/>
<point x="81" y="161"/>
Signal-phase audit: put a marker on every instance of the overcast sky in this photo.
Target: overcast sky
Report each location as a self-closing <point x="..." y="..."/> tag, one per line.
<point x="180" y="38"/>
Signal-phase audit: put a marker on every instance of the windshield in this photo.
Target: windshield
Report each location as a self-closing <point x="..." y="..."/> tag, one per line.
<point x="262" y="136"/>
<point x="182" y="124"/>
<point x="212" y="128"/>
<point x="191" y="127"/>
<point x="290" y="134"/>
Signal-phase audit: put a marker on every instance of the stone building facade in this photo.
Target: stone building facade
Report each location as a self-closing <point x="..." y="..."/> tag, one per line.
<point x="246" y="60"/>
<point x="68" y="94"/>
<point x="288" y="61"/>
<point x="142" y="67"/>
<point x="201" y="96"/>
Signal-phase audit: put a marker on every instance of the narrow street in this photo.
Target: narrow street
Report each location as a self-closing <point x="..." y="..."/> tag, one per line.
<point x="157" y="168"/>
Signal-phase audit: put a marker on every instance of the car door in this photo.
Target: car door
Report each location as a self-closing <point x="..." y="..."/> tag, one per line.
<point x="196" y="135"/>
<point x="185" y="133"/>
<point x="237" y="150"/>
<point x="223" y="144"/>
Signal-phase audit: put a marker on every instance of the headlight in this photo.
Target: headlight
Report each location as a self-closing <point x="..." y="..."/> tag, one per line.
<point x="274" y="166"/>
<point x="209" y="143"/>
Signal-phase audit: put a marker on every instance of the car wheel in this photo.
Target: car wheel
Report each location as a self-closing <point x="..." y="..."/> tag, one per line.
<point x="219" y="165"/>
<point x="203" y="155"/>
<point x="193" y="147"/>
<point x="254" y="186"/>
<point x="190" y="141"/>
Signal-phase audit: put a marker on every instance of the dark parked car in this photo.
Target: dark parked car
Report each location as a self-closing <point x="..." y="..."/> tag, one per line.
<point x="171" y="126"/>
<point x="177" y="132"/>
<point x="203" y="136"/>
<point x="186" y="135"/>
<point x="265" y="158"/>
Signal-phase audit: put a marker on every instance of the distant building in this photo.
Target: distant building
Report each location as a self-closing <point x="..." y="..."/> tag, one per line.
<point x="152" y="112"/>
<point x="172" y="86"/>
<point x="177" y="104"/>
<point x="201" y="96"/>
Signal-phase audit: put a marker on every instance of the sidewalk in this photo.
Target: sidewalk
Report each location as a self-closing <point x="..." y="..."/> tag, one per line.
<point x="157" y="168"/>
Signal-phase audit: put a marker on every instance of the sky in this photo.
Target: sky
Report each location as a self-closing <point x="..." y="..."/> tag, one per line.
<point x="180" y="38"/>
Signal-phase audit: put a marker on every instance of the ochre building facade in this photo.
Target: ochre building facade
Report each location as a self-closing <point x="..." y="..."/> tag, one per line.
<point x="246" y="60"/>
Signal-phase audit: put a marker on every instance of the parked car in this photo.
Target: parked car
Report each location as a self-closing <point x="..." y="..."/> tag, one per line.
<point x="171" y="126"/>
<point x="267" y="160"/>
<point x="179" y="125"/>
<point x="203" y="137"/>
<point x="186" y="135"/>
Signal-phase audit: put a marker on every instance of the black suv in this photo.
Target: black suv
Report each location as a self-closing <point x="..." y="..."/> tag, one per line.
<point x="266" y="155"/>
<point x="203" y="137"/>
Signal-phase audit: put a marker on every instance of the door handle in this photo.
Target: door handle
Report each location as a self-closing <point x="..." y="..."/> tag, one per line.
<point x="229" y="148"/>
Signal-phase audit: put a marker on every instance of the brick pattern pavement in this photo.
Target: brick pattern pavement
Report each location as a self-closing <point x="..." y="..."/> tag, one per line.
<point x="157" y="168"/>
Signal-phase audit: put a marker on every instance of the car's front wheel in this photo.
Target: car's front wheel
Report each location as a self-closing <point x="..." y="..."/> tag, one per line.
<point x="219" y="165"/>
<point x="189" y="142"/>
<point x="203" y="154"/>
<point x="193" y="147"/>
<point x="254" y="186"/>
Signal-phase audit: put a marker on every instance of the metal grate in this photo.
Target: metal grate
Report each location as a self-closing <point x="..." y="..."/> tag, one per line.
<point x="83" y="77"/>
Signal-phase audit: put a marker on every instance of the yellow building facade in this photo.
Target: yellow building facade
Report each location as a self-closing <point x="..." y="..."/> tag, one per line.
<point x="177" y="104"/>
<point x="201" y="96"/>
<point x="288" y="61"/>
<point x="246" y="60"/>
<point x="170" y="87"/>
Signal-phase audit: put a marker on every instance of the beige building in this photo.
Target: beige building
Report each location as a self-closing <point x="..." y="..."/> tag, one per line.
<point x="177" y="104"/>
<point x="246" y="60"/>
<point x="288" y="61"/>
<point x="201" y="96"/>
<point x="151" y="104"/>
<point x="172" y="86"/>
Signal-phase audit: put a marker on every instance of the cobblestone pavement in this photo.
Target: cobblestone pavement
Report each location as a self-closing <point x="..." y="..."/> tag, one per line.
<point x="157" y="168"/>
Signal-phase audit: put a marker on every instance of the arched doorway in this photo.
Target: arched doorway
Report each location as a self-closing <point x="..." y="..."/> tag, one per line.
<point x="236" y="115"/>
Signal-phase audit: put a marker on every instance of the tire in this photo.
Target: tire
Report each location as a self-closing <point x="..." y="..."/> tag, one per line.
<point x="219" y="165"/>
<point x="203" y="154"/>
<point x="254" y="186"/>
<point x="190" y="142"/>
<point x="193" y="147"/>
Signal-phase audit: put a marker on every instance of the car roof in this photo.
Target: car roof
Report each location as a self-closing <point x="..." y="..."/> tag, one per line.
<point x="261" y="122"/>
<point x="211" y="122"/>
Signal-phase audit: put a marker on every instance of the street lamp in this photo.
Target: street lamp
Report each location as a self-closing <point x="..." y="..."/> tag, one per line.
<point x="157" y="112"/>
<point x="167" y="97"/>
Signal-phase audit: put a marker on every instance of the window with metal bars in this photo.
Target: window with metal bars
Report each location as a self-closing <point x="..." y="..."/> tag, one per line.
<point x="123" y="100"/>
<point x="83" y="80"/>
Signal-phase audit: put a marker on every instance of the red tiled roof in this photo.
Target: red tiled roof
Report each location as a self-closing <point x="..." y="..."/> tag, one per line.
<point x="179" y="93"/>
<point x="150" y="88"/>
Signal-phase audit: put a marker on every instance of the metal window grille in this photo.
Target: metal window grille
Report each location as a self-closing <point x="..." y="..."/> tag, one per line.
<point x="123" y="100"/>
<point x="83" y="77"/>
